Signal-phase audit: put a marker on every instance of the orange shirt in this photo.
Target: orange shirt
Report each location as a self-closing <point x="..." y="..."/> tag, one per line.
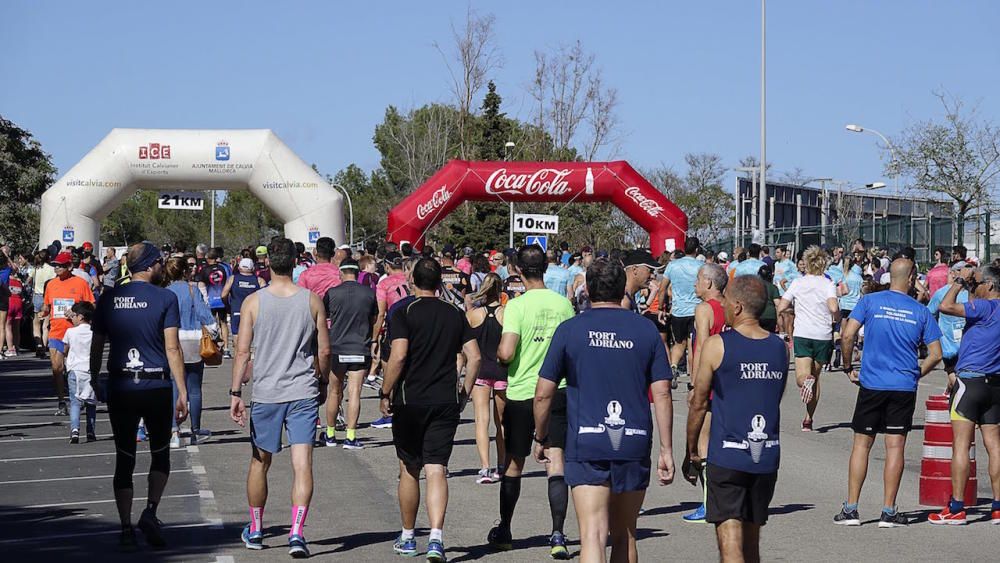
<point x="60" y="296"/>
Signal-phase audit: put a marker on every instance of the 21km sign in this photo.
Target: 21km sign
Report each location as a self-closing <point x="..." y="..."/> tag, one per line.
<point x="181" y="200"/>
<point x="531" y="223"/>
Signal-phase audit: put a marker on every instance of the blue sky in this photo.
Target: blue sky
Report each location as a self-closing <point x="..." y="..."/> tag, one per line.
<point x="320" y="74"/>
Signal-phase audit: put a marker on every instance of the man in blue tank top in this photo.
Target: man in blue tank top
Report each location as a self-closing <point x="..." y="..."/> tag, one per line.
<point x="238" y="288"/>
<point x="895" y="325"/>
<point x="608" y="357"/>
<point x="745" y="369"/>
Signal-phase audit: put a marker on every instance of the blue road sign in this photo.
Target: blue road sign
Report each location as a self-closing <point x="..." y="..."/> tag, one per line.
<point x="540" y="240"/>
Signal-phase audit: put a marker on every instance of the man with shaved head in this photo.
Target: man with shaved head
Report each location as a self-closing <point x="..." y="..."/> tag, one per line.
<point x="895" y="324"/>
<point x="745" y="369"/>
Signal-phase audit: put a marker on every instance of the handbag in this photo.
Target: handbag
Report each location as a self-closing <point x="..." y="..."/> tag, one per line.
<point x="207" y="348"/>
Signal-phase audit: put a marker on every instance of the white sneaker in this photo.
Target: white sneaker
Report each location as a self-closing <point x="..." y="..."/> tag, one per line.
<point x="175" y="441"/>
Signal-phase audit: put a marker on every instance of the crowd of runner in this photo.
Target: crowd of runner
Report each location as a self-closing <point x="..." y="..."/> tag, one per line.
<point x="568" y="356"/>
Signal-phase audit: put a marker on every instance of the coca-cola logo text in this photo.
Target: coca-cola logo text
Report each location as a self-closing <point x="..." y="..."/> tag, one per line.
<point x="439" y="198"/>
<point x="546" y="181"/>
<point x="645" y="203"/>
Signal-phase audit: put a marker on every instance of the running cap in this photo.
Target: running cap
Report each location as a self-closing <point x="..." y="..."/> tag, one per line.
<point x="344" y="247"/>
<point x="261" y="251"/>
<point x="601" y="254"/>
<point x="149" y="256"/>
<point x="960" y="265"/>
<point x="349" y="264"/>
<point x="61" y="259"/>
<point x="467" y="251"/>
<point x="640" y="258"/>
<point x="246" y="264"/>
<point x="448" y="250"/>
<point x="722" y="256"/>
<point x="87" y="245"/>
<point x="394" y="259"/>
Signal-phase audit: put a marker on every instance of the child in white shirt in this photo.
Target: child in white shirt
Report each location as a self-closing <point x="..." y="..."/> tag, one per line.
<point x="77" y="341"/>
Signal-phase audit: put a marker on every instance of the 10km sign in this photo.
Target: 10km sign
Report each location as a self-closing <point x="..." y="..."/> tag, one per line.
<point x="531" y="223"/>
<point x="181" y="200"/>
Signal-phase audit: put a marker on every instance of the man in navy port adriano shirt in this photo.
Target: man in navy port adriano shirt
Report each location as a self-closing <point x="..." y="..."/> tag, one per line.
<point x="608" y="357"/>
<point x="895" y="325"/>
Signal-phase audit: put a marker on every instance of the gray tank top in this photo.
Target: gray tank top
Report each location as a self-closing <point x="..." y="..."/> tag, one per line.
<point x="284" y="338"/>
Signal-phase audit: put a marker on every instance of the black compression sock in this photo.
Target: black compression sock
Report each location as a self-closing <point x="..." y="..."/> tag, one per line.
<point x="151" y="507"/>
<point x="510" y="491"/>
<point x="558" y="501"/>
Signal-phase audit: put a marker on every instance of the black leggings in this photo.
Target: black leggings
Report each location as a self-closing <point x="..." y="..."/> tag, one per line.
<point x="125" y="408"/>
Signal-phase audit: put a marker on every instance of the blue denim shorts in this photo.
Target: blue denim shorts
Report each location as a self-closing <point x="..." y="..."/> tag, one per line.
<point x="298" y="418"/>
<point x="57" y="345"/>
<point x="622" y="476"/>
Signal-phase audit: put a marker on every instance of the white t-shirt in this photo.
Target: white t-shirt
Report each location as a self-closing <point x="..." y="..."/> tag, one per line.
<point x="812" y="316"/>
<point x="78" y="338"/>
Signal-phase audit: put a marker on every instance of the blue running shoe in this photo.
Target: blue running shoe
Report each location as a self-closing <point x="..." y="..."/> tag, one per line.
<point x="407" y="547"/>
<point x="384" y="422"/>
<point x="354" y="444"/>
<point x="297" y="547"/>
<point x="557" y="546"/>
<point x="435" y="551"/>
<point x="696" y="517"/>
<point x="254" y="540"/>
<point x="330" y="441"/>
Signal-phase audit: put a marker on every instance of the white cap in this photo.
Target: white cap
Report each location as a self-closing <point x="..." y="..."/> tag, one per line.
<point x="246" y="264"/>
<point x="344" y="247"/>
<point x="886" y="278"/>
<point x="722" y="256"/>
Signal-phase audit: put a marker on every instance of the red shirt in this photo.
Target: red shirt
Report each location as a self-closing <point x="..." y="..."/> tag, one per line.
<point x="937" y="277"/>
<point x="321" y="277"/>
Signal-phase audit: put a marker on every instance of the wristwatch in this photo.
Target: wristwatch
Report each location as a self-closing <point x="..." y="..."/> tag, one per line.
<point x="238" y="393"/>
<point x="382" y="395"/>
<point x="541" y="441"/>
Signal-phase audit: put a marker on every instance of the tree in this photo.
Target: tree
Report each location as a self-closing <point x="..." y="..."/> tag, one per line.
<point x="475" y="57"/>
<point x="699" y="193"/>
<point x="241" y="221"/>
<point x="26" y="171"/>
<point x="138" y="219"/>
<point x="958" y="156"/>
<point x="414" y="146"/>
<point x="569" y="92"/>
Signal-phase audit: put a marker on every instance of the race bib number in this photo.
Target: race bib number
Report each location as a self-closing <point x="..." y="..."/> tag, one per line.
<point x="60" y="307"/>
<point x="350" y="359"/>
<point x="957" y="334"/>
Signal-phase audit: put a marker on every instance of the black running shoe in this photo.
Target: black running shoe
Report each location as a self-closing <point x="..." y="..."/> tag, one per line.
<point x="74" y="437"/>
<point x="846" y="518"/>
<point x="150" y="526"/>
<point x="91" y="437"/>
<point x="500" y="539"/>
<point x="126" y="540"/>
<point x="61" y="411"/>
<point x="896" y="520"/>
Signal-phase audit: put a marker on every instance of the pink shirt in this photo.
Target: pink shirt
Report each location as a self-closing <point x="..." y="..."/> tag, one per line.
<point x="319" y="278"/>
<point x="392" y="289"/>
<point x="465" y="265"/>
<point x="937" y="277"/>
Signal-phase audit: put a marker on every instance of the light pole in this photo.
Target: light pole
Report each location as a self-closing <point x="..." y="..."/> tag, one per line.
<point x="739" y="226"/>
<point x="350" y="208"/>
<point x="507" y="148"/>
<point x="761" y="220"/>
<point x="892" y="151"/>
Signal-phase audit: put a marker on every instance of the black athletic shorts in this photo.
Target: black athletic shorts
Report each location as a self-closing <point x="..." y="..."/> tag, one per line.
<point x="886" y="412"/>
<point x="220" y="313"/>
<point x="424" y="434"/>
<point x="343" y="363"/>
<point x="738" y="495"/>
<point x="681" y="328"/>
<point x="976" y="399"/>
<point x="662" y="328"/>
<point x="519" y="425"/>
<point x="384" y="348"/>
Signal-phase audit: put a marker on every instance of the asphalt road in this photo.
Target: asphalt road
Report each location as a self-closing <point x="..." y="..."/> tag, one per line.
<point x="56" y="498"/>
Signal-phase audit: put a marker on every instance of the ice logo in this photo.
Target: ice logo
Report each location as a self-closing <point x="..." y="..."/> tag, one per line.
<point x="756" y="437"/>
<point x="615" y="424"/>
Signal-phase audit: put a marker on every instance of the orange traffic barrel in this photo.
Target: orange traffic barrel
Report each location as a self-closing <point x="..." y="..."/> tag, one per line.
<point x="935" y="467"/>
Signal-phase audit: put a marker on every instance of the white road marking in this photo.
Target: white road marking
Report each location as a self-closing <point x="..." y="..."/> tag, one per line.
<point x="46" y="538"/>
<point x="206" y="494"/>
<point x="16" y="440"/>
<point x="54" y="505"/>
<point x="24" y="481"/>
<point x="49" y="423"/>
<point x="42" y="458"/>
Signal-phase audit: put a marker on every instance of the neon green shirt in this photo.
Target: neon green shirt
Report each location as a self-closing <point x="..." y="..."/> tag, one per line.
<point x="534" y="317"/>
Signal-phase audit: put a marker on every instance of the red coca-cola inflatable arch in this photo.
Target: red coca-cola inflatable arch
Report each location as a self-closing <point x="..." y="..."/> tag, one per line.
<point x="577" y="182"/>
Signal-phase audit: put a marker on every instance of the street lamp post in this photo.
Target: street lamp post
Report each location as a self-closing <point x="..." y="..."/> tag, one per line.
<point x="508" y="147"/>
<point x="350" y="209"/>
<point x="740" y="227"/>
<point x="761" y="220"/>
<point x="892" y="151"/>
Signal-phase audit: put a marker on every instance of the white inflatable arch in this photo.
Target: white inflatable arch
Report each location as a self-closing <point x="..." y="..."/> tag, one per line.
<point x="185" y="159"/>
